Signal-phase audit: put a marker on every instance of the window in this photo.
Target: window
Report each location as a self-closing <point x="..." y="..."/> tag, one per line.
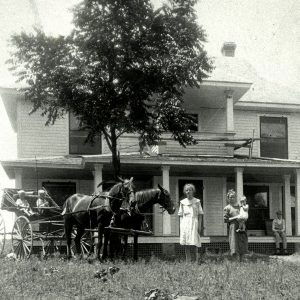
<point x="77" y="137"/>
<point x="194" y="127"/>
<point x="60" y="191"/>
<point x="273" y="134"/>
<point x="258" y="201"/>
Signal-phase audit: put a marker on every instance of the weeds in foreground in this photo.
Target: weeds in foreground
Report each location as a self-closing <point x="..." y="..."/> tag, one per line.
<point x="214" y="278"/>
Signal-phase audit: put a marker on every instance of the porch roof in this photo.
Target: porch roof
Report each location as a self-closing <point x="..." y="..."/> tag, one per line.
<point x="84" y="164"/>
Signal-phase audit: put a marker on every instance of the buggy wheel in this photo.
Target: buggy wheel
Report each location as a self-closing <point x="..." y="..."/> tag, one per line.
<point x="86" y="244"/>
<point x="2" y="234"/>
<point x="22" y="237"/>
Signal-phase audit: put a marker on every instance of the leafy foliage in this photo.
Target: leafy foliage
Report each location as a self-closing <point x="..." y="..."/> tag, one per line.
<point x="123" y="68"/>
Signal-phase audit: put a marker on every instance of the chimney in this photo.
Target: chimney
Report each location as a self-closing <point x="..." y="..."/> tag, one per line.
<point x="228" y="49"/>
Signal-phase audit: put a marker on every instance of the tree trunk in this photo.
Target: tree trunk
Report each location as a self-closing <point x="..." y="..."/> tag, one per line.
<point x="115" y="155"/>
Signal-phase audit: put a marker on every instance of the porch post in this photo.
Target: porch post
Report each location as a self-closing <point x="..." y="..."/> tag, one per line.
<point x="166" y="185"/>
<point x="18" y="178"/>
<point x="229" y="110"/>
<point x="98" y="177"/>
<point x="239" y="183"/>
<point x="297" y="202"/>
<point x="287" y="204"/>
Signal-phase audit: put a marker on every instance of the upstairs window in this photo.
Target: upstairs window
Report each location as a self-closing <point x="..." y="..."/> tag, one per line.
<point x="273" y="137"/>
<point x="77" y="137"/>
<point x="194" y="127"/>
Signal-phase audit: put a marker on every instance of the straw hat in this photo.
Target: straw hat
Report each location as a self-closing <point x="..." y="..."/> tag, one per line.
<point x="41" y="192"/>
<point x="21" y="192"/>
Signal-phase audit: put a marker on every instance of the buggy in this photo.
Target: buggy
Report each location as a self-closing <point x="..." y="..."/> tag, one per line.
<point x="32" y="227"/>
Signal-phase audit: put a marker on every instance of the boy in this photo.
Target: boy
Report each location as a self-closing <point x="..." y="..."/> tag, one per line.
<point x="278" y="227"/>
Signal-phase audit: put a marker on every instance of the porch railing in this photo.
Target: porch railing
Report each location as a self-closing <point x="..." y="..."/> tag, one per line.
<point x="208" y="143"/>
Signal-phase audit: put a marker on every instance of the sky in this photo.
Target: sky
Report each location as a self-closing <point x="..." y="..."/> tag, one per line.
<point x="267" y="34"/>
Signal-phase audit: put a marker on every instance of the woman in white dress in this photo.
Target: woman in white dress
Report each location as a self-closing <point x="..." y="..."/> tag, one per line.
<point x="191" y="214"/>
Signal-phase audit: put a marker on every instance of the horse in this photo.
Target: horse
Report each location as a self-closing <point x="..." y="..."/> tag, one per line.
<point x="134" y="217"/>
<point x="88" y="212"/>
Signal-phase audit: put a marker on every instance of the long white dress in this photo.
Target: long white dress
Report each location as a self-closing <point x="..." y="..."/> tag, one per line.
<point x="189" y="210"/>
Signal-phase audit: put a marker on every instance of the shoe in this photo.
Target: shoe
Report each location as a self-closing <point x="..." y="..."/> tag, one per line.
<point x="238" y="230"/>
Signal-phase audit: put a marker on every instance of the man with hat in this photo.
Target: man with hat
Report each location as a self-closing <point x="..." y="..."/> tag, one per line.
<point x="41" y="201"/>
<point x="278" y="227"/>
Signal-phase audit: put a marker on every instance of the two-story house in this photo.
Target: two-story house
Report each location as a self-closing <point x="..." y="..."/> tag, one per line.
<point x="248" y="139"/>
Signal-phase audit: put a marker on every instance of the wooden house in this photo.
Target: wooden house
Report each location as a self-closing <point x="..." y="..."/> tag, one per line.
<point x="247" y="132"/>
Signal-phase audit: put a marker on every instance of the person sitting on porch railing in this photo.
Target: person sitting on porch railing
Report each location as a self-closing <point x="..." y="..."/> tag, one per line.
<point x="23" y="204"/>
<point x="278" y="227"/>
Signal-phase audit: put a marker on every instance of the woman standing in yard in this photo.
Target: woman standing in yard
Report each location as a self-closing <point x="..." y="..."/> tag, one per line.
<point x="238" y="241"/>
<point x="190" y="213"/>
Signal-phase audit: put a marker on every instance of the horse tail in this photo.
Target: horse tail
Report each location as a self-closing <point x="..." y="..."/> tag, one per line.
<point x="66" y="206"/>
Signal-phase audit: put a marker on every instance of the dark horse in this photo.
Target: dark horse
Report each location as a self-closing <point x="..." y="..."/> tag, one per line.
<point x="134" y="217"/>
<point x="88" y="212"/>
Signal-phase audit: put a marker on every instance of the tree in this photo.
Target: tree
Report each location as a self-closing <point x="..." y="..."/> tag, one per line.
<point x="123" y="69"/>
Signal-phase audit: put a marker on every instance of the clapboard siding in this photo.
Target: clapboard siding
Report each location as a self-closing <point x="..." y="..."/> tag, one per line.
<point x="294" y="135"/>
<point x="244" y="124"/>
<point x="82" y="186"/>
<point x="246" y="121"/>
<point x="213" y="205"/>
<point x="157" y="217"/>
<point x="174" y="217"/>
<point x="36" y="139"/>
<point x="212" y="120"/>
<point x="202" y="148"/>
<point x="129" y="143"/>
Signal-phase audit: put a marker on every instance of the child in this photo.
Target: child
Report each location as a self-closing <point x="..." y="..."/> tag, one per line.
<point x="23" y="204"/>
<point x="191" y="213"/>
<point x="242" y="217"/>
<point x="278" y="227"/>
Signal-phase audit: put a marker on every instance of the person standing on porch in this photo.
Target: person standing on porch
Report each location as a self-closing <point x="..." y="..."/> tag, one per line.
<point x="278" y="227"/>
<point x="238" y="241"/>
<point x="191" y="214"/>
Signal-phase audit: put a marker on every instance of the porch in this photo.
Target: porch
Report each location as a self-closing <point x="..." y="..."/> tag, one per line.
<point x="170" y="247"/>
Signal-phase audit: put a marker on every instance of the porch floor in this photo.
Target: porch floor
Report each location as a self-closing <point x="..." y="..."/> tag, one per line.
<point x="211" y="239"/>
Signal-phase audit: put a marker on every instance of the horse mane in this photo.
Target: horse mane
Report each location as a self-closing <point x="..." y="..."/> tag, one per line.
<point x="115" y="190"/>
<point x="144" y="196"/>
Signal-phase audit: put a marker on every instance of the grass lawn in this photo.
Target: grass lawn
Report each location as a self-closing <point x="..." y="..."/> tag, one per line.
<point x="219" y="278"/>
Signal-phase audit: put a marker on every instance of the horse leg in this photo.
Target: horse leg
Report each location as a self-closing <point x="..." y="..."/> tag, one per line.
<point x="105" y="244"/>
<point x="114" y="245"/>
<point x="100" y="236"/>
<point x="125" y="244"/>
<point x="80" y="232"/>
<point x="68" y="235"/>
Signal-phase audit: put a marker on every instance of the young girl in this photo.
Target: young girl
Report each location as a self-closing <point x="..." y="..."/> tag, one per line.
<point x="191" y="213"/>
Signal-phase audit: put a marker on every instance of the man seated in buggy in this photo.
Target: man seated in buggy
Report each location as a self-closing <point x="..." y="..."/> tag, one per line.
<point x="45" y="205"/>
<point x="23" y="204"/>
<point x="42" y="202"/>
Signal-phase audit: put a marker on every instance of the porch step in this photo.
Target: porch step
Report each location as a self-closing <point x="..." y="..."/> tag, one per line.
<point x="211" y="239"/>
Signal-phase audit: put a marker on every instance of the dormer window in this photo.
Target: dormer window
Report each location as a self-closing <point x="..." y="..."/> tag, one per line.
<point x="77" y="137"/>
